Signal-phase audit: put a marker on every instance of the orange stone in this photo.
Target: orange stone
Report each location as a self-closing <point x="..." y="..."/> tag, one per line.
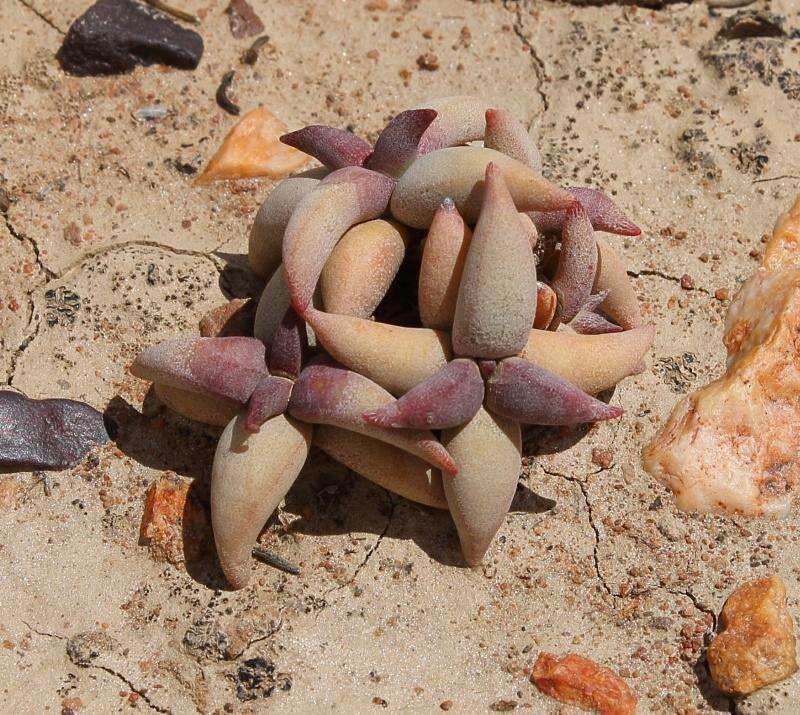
<point x="578" y="681"/>
<point x="174" y="525"/>
<point x="252" y="149"/>
<point x="756" y="646"/>
<point x="9" y="493"/>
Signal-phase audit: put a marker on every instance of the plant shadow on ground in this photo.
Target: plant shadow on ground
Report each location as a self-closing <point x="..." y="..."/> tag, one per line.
<point x="326" y="499"/>
<point x="236" y="280"/>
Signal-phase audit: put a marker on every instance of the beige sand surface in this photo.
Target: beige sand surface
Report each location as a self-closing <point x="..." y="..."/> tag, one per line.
<point x="593" y="560"/>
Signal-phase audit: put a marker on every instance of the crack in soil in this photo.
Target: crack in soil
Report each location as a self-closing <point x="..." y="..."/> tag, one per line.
<point x="378" y="541"/>
<point x="692" y="598"/>
<point x="218" y="263"/>
<point x="666" y="277"/>
<point x="273" y="629"/>
<point x="141" y="692"/>
<point x="707" y="610"/>
<point x="775" y="178"/>
<point x="42" y="633"/>
<point x="33" y="318"/>
<point x="41" y="16"/>
<point x="538" y="64"/>
<point x="371" y="550"/>
<point x="595" y="557"/>
<point x="28" y="241"/>
<point x="50" y="276"/>
<point x="26" y="341"/>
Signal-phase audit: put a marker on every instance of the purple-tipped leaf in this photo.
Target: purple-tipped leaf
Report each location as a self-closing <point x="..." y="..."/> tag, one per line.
<point x="225" y="367"/>
<point x="589" y="322"/>
<point x="604" y="214"/>
<point x="505" y="133"/>
<point x="447" y="399"/>
<point x="577" y="265"/>
<point x="497" y="296"/>
<point x="335" y="148"/>
<point x="331" y="395"/>
<point x="487" y="368"/>
<point x="397" y="144"/>
<point x="289" y="346"/>
<point x="523" y="391"/>
<point x="270" y="398"/>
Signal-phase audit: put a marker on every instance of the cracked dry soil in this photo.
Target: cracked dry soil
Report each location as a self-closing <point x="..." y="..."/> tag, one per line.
<point x="108" y="248"/>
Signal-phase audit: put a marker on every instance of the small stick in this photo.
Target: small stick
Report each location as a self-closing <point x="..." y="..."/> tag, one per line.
<point x="174" y="11"/>
<point x="272" y="559"/>
<point x="222" y="94"/>
<point x="251" y="53"/>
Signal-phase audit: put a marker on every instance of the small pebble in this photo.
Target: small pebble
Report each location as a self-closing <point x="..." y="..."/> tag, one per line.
<point x="146" y="114"/>
<point x="687" y="282"/>
<point x="722" y="294"/>
<point x="243" y="19"/>
<point x="428" y="61"/>
<point x="603" y="458"/>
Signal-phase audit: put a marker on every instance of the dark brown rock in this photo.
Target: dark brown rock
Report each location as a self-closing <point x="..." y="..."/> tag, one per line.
<point x="114" y="36"/>
<point x="46" y="434"/>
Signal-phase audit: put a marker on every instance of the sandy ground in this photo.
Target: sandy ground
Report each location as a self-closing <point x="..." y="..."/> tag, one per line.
<point x="697" y="137"/>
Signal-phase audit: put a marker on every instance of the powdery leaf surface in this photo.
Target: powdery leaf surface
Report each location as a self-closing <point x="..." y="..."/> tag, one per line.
<point x="593" y="560"/>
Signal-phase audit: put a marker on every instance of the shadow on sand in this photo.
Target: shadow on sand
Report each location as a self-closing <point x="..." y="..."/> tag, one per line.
<point x="326" y="499"/>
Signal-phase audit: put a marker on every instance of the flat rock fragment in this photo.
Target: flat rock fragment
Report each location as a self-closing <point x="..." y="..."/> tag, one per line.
<point x="10" y="493"/>
<point x="756" y="645"/>
<point x="114" y="36"/>
<point x="243" y="19"/>
<point x="578" y="681"/>
<point x="252" y="149"/>
<point x="47" y="434"/>
<point x="731" y="447"/>
<point x="174" y="524"/>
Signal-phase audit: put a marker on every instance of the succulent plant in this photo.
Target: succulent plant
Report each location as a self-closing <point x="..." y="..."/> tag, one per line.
<point x="432" y="409"/>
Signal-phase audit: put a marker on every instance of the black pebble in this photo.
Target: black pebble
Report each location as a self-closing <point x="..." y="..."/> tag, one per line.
<point x="46" y="434"/>
<point x="114" y="36"/>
